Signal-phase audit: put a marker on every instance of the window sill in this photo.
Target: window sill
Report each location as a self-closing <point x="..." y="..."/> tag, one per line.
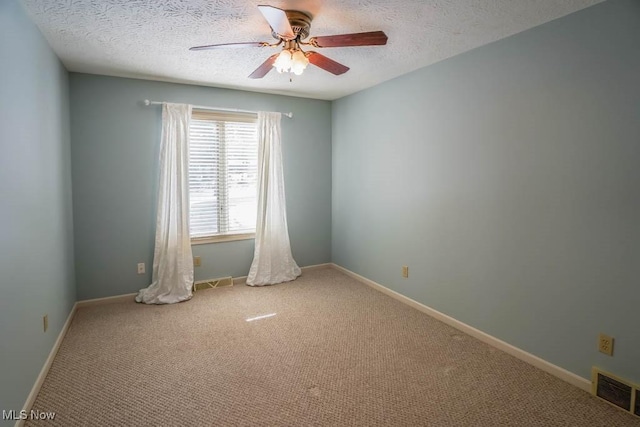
<point x="222" y="238"/>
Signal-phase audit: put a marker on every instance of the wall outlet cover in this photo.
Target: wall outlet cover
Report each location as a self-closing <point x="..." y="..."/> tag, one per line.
<point x="605" y="344"/>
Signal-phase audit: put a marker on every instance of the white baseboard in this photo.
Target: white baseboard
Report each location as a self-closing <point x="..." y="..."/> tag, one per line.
<point x="47" y="365"/>
<point x="106" y="300"/>
<point x="317" y="267"/>
<point x="240" y="280"/>
<point x="125" y="297"/>
<point x="529" y="358"/>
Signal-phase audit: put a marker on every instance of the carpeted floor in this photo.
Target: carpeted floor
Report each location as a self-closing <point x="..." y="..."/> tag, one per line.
<point x="336" y="352"/>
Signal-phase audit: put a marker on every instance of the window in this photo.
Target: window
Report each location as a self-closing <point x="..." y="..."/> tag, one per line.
<point x="223" y="171"/>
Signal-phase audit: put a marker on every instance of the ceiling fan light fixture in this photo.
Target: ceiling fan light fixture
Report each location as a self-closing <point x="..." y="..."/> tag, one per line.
<point x="299" y="62"/>
<point x="283" y="61"/>
<point x="289" y="61"/>
<point x="290" y="28"/>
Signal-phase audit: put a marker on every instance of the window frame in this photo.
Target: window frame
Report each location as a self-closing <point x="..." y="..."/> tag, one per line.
<point x="202" y="114"/>
<point x="219" y="238"/>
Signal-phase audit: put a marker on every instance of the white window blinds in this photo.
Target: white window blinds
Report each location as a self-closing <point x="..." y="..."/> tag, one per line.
<point x="223" y="168"/>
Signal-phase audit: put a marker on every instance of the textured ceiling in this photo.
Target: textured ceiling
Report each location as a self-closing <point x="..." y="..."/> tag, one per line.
<point x="149" y="39"/>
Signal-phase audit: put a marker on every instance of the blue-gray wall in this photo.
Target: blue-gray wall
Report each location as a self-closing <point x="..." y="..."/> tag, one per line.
<point x="115" y="143"/>
<point x="36" y="239"/>
<point x="508" y="180"/>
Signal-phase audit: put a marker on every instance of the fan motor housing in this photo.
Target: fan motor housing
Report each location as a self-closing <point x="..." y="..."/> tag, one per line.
<point x="300" y="24"/>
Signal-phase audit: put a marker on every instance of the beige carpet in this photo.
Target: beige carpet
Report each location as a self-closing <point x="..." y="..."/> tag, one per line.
<point x="336" y="353"/>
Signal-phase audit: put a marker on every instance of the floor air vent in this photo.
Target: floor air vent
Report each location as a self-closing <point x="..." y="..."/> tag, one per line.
<point x="615" y="390"/>
<point x="213" y="283"/>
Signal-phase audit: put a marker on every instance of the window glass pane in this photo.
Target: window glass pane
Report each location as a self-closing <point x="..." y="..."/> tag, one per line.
<point x="242" y="172"/>
<point x="223" y="168"/>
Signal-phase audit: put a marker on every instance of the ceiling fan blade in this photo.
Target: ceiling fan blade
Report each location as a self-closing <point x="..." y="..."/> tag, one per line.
<point x="326" y="64"/>
<point x="372" y="38"/>
<point x="229" y="45"/>
<point x="264" y="68"/>
<point x="277" y="19"/>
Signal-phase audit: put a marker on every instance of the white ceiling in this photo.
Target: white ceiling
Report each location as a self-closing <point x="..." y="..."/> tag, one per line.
<point x="149" y="39"/>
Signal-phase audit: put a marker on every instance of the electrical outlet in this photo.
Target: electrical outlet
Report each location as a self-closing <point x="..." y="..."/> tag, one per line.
<point x="405" y="271"/>
<point x="197" y="261"/>
<point x="45" y="322"/>
<point x="605" y="344"/>
<point x="141" y="269"/>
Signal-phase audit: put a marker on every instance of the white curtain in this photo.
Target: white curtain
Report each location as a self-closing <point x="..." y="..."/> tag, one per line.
<point x="272" y="259"/>
<point x="172" y="277"/>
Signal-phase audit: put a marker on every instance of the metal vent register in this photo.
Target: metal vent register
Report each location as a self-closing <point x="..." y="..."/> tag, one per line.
<point x="213" y="283"/>
<point x="616" y="391"/>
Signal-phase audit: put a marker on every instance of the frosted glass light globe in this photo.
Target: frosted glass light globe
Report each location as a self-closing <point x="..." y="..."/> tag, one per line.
<point x="283" y="62"/>
<point x="298" y="62"/>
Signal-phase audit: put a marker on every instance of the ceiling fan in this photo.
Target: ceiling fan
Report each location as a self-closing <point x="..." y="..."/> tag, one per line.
<point x="290" y="28"/>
